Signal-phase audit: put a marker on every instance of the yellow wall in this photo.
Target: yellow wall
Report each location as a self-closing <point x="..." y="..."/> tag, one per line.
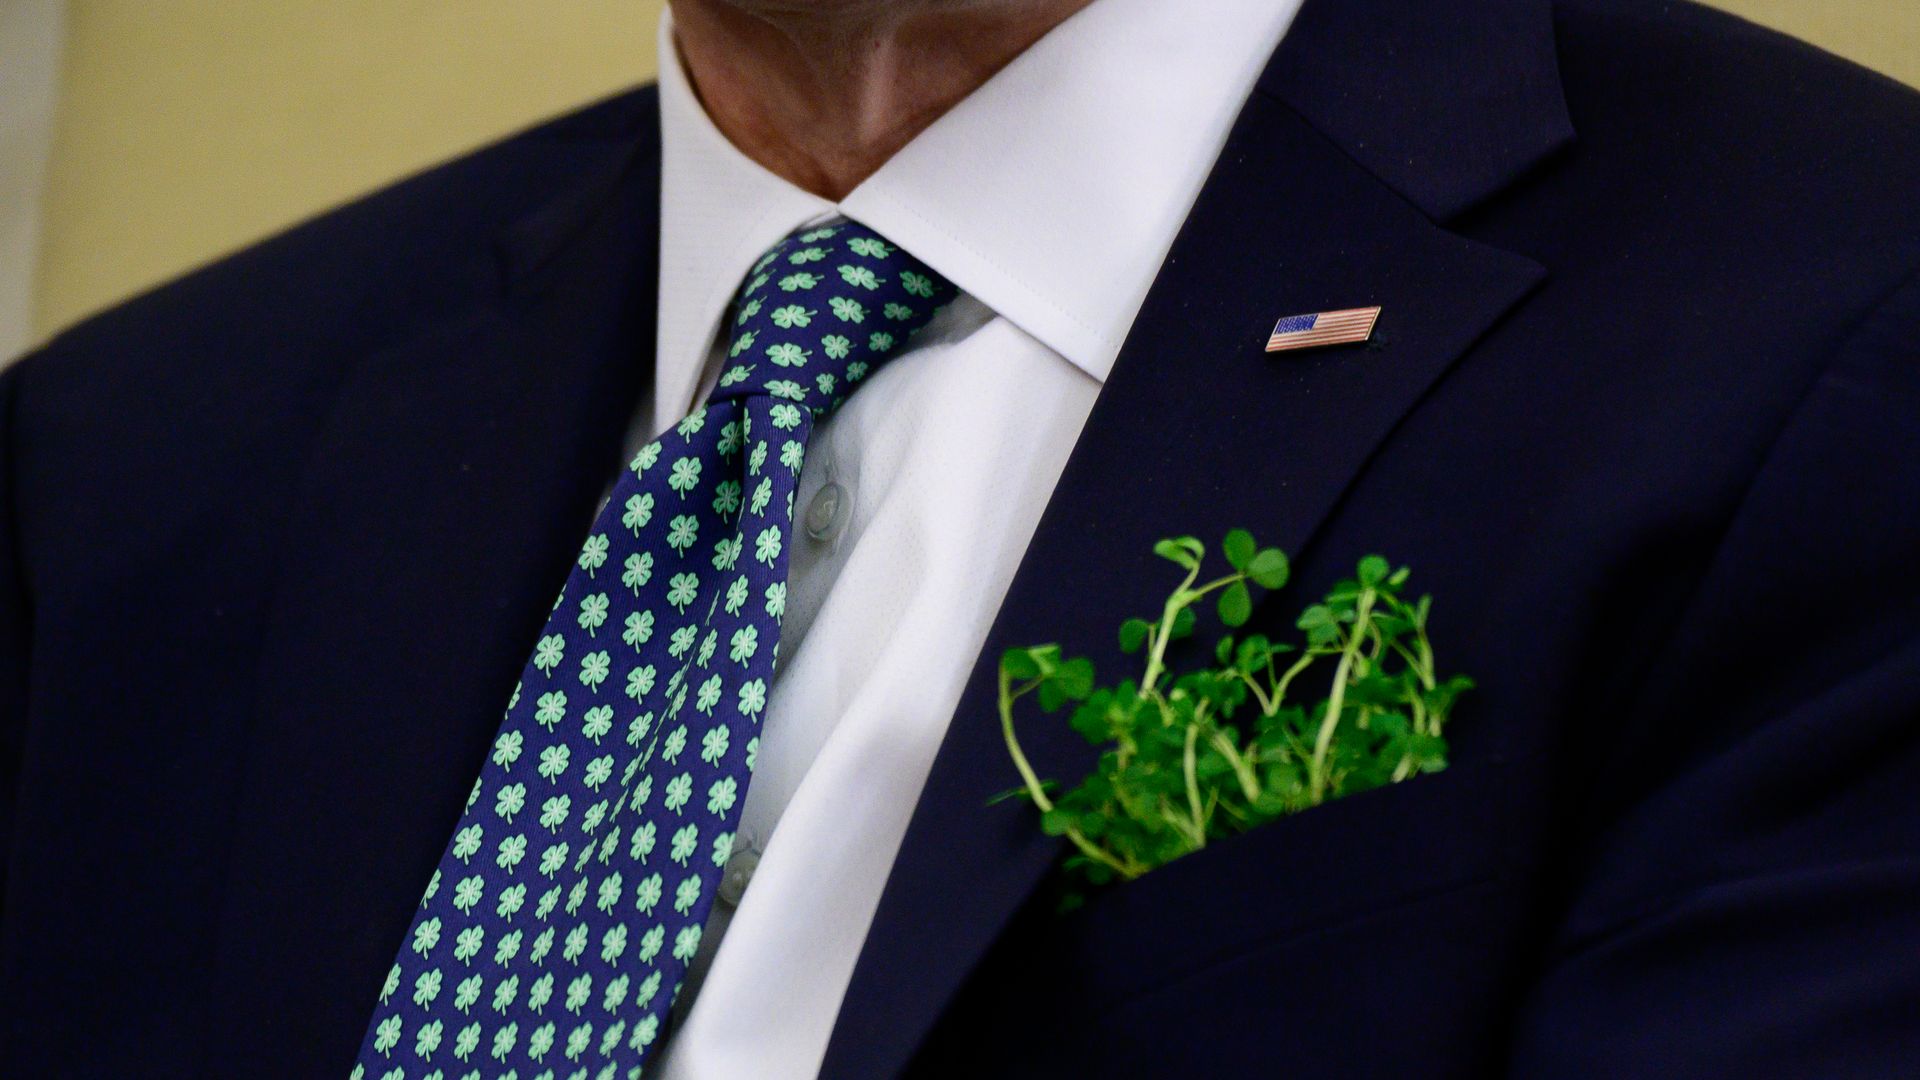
<point x="190" y="127"/>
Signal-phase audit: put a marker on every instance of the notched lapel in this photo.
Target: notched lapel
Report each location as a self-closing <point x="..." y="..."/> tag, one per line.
<point x="1197" y="430"/>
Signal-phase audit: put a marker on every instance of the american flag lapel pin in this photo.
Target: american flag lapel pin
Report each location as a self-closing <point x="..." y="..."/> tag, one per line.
<point x="1322" y="328"/>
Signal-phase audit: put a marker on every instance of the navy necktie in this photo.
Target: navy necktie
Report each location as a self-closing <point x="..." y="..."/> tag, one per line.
<point x="557" y="929"/>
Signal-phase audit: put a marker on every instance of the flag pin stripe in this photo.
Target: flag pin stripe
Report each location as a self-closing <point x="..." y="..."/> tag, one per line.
<point x="1322" y="328"/>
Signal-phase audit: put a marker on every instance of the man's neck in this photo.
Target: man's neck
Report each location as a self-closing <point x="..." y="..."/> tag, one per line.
<point x="823" y="92"/>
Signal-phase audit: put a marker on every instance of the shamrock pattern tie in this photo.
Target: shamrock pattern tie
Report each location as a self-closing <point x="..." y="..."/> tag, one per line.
<point x="556" y="931"/>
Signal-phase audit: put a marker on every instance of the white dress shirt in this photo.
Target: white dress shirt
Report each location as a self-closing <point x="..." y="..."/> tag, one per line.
<point x="1049" y="197"/>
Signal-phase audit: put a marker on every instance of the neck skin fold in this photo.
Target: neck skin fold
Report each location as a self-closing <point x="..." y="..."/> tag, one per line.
<point x="823" y="92"/>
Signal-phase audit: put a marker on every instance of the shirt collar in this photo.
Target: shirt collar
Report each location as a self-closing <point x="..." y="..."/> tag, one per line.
<point x="1050" y="194"/>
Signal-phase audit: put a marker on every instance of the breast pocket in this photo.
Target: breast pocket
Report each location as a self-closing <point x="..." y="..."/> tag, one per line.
<point x="1312" y="872"/>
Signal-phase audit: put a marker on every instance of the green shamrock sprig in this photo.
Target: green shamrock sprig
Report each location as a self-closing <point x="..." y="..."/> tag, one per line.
<point x="1196" y="757"/>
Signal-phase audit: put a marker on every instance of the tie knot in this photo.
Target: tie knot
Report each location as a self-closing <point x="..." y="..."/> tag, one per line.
<point x="822" y="311"/>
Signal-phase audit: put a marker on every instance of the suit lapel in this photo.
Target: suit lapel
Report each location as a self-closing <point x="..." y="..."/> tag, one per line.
<point x="441" y="506"/>
<point x="1197" y="430"/>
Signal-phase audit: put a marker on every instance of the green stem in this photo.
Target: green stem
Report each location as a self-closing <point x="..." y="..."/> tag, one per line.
<point x="1038" y="793"/>
<point x="1336" y="700"/>
<point x="1193" y="786"/>
<point x="1035" y="790"/>
<point x="1182" y="597"/>
<point x="1249" y="783"/>
<point x="1268" y="706"/>
<point x="1156" y="657"/>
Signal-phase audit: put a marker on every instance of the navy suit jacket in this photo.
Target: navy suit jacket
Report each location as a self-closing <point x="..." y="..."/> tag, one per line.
<point x="1642" y="411"/>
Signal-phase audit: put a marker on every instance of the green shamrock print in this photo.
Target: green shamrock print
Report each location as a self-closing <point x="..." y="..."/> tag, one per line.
<point x="613" y="943"/>
<point x="387" y="1035"/>
<point x="787" y="354"/>
<point x="510" y="801"/>
<point x="506" y="749"/>
<point x="766" y="546"/>
<point x="552" y="709"/>
<point x="687" y="894"/>
<point x="639" y="512"/>
<point x="639" y="571"/>
<point x="745" y="642"/>
<point x="859" y="277"/>
<point x="467" y="945"/>
<point x="679" y="790"/>
<point x="594" y="555"/>
<point x="554" y="811"/>
<point x="709" y="696"/>
<point x="682" y="640"/>
<point x="639" y="682"/>
<point x="753" y="698"/>
<point x="687" y="941"/>
<point x="713" y="745"/>
<point x="726" y="499"/>
<point x="547" y="654"/>
<point x="466" y="842"/>
<point x="639" y="629"/>
<point x="685" y="530"/>
<point x="684" y="841"/>
<point x="791" y="315"/>
<point x="686" y="475"/>
<point x="427" y="986"/>
<point x="594" y="667"/>
<point x="579" y="877"/>
<point x="593" y="612"/>
<point x="676" y="742"/>
<point x="609" y="893"/>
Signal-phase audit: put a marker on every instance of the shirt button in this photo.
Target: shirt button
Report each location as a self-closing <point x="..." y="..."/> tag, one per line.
<point x="739" y="870"/>
<point x="827" y="512"/>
